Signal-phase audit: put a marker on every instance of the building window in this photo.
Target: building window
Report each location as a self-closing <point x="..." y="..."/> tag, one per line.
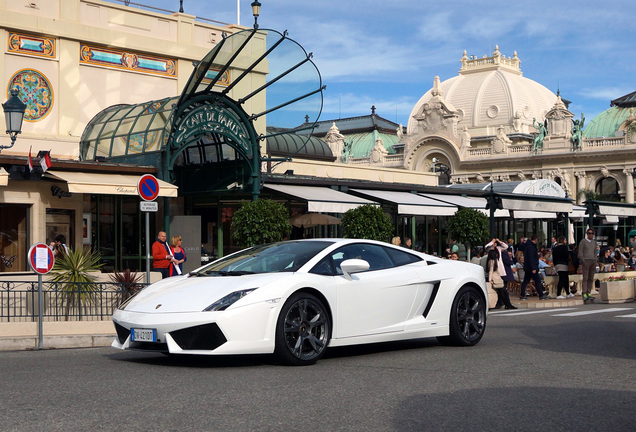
<point x="608" y="188"/>
<point x="60" y="221"/>
<point x="14" y="228"/>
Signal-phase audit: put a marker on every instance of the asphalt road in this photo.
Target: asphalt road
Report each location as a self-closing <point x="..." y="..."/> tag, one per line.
<point x="533" y="371"/>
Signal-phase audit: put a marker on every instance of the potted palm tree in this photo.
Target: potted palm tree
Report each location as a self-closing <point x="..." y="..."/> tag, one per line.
<point x="72" y="274"/>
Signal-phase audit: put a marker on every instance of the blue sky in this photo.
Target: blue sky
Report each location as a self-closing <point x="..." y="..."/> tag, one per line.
<point x="386" y="53"/>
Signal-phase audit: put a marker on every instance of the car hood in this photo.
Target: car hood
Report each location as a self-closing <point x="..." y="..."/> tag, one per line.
<point x="195" y="293"/>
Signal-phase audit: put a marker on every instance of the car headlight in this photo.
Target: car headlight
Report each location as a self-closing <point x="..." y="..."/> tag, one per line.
<point x="227" y="301"/>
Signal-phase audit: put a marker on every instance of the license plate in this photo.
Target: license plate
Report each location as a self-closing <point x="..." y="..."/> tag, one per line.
<point x="143" y="335"/>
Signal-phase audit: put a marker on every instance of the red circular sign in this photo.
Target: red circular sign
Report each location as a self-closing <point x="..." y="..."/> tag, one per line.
<point x="41" y="258"/>
<point x="148" y="187"/>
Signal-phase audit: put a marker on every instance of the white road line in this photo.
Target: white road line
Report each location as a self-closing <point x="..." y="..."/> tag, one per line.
<point x="626" y="316"/>
<point x="592" y="312"/>
<point x="527" y="312"/>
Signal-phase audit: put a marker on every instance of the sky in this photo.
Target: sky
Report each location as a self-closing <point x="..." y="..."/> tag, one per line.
<point x="387" y="53"/>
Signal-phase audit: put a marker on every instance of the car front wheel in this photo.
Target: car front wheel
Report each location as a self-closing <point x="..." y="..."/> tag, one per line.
<point x="467" y="318"/>
<point x="302" y="330"/>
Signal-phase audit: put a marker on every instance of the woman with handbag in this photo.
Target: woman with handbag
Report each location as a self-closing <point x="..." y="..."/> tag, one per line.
<point x="496" y="272"/>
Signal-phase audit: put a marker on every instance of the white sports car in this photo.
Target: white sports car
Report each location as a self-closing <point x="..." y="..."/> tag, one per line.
<point x="296" y="298"/>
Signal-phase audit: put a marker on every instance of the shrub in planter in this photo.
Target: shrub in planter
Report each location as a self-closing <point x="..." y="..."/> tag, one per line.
<point x="261" y="221"/>
<point x="367" y="222"/>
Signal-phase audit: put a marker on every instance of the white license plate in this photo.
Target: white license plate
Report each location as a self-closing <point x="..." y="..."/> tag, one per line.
<point x="143" y="335"/>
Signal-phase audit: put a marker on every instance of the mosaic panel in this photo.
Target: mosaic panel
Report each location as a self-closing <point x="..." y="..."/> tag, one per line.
<point x="223" y="81"/>
<point x="31" y="45"/>
<point x="136" y="141"/>
<point x="35" y="91"/>
<point x="119" y="59"/>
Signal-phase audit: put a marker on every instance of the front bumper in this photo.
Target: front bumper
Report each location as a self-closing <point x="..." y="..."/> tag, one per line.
<point x="246" y="330"/>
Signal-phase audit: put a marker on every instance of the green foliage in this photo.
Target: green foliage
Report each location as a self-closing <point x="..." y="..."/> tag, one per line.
<point x="71" y="272"/>
<point x="261" y="221"/>
<point x="367" y="222"/>
<point x="468" y="226"/>
<point x="130" y="283"/>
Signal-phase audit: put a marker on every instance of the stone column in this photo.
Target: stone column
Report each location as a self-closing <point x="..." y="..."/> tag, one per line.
<point x="629" y="185"/>
<point x="580" y="185"/>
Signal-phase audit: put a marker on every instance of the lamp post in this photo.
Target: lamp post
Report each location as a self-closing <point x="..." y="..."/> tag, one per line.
<point x="256" y="11"/>
<point x="13" y="115"/>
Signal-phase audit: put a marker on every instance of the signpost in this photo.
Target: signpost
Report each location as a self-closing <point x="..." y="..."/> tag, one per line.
<point x="148" y="189"/>
<point x="41" y="259"/>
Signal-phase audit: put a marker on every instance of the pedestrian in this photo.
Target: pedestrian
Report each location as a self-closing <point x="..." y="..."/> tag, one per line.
<point x="179" y="256"/>
<point x="531" y="269"/>
<point x="58" y="246"/>
<point x="499" y="269"/>
<point x="161" y="256"/>
<point x="587" y="258"/>
<point x="631" y="263"/>
<point x="407" y="243"/>
<point x="396" y="241"/>
<point x="561" y="255"/>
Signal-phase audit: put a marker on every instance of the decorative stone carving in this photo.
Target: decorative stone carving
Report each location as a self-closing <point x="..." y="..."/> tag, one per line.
<point x="536" y="175"/>
<point x="480" y="178"/>
<point x="378" y="153"/>
<point x="437" y="116"/>
<point x="629" y="126"/>
<point x="563" y="176"/>
<point x="501" y="141"/>
<point x="604" y="171"/>
<point x="559" y="120"/>
<point x="335" y="140"/>
<point x="465" y="138"/>
<point x="521" y="176"/>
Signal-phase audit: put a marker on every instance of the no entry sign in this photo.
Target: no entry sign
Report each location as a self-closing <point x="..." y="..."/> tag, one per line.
<point x="41" y="258"/>
<point x="148" y="187"/>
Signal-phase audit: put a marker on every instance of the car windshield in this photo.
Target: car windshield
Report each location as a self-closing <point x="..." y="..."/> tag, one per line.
<point x="269" y="258"/>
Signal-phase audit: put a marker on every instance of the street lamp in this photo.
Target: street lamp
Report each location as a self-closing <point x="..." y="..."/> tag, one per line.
<point x="256" y="11"/>
<point x="13" y="115"/>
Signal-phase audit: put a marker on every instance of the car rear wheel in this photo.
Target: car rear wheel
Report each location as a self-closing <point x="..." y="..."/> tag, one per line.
<point x="302" y="330"/>
<point x="467" y="319"/>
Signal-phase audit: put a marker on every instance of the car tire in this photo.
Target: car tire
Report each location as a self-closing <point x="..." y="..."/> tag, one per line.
<point x="302" y="331"/>
<point x="467" y="318"/>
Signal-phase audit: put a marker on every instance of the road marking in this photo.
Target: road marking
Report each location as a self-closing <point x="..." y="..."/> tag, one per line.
<point x="527" y="312"/>
<point x="592" y="312"/>
<point x="626" y="316"/>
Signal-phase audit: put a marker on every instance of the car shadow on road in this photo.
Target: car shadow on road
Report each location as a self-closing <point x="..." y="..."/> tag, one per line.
<point x="203" y="361"/>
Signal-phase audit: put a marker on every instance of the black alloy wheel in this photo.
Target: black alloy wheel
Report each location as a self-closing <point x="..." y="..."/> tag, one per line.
<point x="467" y="318"/>
<point x="302" y="331"/>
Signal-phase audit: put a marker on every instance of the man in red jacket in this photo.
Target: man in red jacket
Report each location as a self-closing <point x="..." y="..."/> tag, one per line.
<point x="162" y="258"/>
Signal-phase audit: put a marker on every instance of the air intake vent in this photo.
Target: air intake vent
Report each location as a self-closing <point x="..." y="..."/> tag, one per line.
<point x="122" y="333"/>
<point x="203" y="337"/>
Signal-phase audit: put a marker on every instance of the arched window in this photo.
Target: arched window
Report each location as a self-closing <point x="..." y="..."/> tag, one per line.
<point x="608" y="188"/>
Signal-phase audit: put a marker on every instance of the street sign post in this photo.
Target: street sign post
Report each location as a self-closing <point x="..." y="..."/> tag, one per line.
<point x="148" y="189"/>
<point x="42" y="260"/>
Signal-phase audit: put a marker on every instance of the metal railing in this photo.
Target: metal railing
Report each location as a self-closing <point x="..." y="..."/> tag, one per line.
<point x="19" y="300"/>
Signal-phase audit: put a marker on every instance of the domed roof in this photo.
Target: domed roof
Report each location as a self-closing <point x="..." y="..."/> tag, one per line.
<point x="489" y="91"/>
<point x="606" y="123"/>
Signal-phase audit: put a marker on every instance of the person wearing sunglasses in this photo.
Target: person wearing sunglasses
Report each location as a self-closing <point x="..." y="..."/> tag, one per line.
<point x="587" y="257"/>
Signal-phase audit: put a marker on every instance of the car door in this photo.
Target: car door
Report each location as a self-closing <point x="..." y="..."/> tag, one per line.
<point x="378" y="300"/>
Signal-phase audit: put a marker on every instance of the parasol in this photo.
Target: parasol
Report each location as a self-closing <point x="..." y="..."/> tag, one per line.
<point x="309" y="220"/>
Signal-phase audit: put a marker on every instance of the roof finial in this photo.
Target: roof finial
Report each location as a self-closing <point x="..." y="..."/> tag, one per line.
<point x="372" y="109"/>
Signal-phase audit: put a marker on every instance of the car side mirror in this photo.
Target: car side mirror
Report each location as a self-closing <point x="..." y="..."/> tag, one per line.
<point x="351" y="266"/>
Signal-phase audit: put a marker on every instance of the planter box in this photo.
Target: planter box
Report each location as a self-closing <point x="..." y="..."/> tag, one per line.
<point x="617" y="291"/>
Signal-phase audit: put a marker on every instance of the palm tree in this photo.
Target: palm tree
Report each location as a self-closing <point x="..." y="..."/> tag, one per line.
<point x="71" y="271"/>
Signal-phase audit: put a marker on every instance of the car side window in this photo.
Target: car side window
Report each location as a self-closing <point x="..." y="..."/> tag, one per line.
<point x="401" y="258"/>
<point x="324" y="267"/>
<point x="375" y="255"/>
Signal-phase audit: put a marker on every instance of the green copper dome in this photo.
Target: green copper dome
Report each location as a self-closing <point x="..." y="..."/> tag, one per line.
<point x="606" y="123"/>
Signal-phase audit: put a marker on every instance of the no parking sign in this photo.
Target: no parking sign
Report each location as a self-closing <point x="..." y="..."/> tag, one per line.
<point x="148" y="187"/>
<point x="41" y="258"/>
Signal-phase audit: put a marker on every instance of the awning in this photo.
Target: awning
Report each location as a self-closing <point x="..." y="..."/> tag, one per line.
<point x="107" y="184"/>
<point x="411" y="204"/>
<point x="578" y="212"/>
<point x="462" y="201"/>
<point x="606" y="210"/>
<point x="321" y="199"/>
<point x="524" y="214"/>
<point x="537" y="204"/>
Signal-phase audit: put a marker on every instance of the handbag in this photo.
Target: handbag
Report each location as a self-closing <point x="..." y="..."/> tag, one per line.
<point x="496" y="284"/>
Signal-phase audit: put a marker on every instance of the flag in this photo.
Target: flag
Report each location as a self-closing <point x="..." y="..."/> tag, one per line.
<point x="45" y="161"/>
<point x="30" y="161"/>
